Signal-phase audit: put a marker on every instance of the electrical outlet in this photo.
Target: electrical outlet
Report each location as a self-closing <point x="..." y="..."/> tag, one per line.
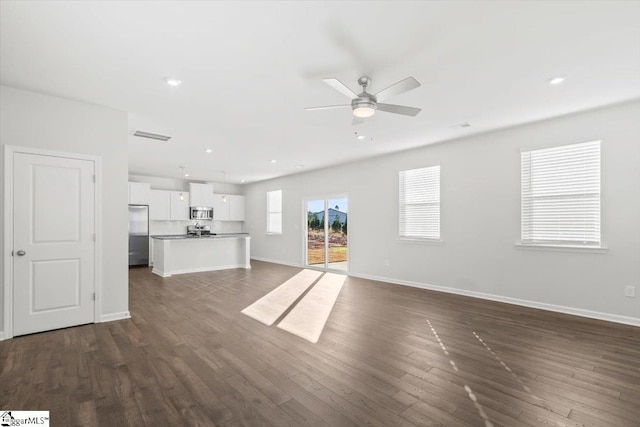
<point x="630" y="291"/>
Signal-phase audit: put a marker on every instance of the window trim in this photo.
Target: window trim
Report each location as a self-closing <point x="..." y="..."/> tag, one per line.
<point x="601" y="249"/>
<point x="420" y="241"/>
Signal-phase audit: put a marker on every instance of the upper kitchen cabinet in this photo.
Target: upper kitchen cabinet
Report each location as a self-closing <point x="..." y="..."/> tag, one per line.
<point x="220" y="208"/>
<point x="179" y="206"/>
<point x="139" y="193"/>
<point x="201" y="195"/>
<point x="232" y="210"/>
<point x="167" y="206"/>
<point x="160" y="206"/>
<point x="236" y="208"/>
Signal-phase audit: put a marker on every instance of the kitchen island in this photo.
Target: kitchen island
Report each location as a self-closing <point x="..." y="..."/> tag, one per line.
<point x="179" y="254"/>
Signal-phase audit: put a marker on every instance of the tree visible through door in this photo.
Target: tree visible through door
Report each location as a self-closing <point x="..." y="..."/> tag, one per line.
<point x="327" y="231"/>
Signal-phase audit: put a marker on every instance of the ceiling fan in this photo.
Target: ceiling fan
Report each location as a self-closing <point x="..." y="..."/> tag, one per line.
<point x="366" y="104"/>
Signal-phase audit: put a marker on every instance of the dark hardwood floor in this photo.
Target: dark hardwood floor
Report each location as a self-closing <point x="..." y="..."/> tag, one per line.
<point x="389" y="356"/>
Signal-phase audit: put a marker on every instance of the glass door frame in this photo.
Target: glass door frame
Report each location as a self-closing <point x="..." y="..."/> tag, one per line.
<point x="325" y="267"/>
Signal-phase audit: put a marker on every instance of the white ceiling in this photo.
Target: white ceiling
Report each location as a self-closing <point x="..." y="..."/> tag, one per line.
<point x="249" y="69"/>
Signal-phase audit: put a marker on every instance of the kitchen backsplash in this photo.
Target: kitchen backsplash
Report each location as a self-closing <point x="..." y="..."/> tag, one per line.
<point x="180" y="227"/>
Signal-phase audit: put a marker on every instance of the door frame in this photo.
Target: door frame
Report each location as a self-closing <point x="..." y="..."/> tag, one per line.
<point x="9" y="152"/>
<point x="305" y="247"/>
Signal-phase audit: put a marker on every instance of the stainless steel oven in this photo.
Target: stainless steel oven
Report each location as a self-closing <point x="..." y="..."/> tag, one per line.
<point x="201" y="213"/>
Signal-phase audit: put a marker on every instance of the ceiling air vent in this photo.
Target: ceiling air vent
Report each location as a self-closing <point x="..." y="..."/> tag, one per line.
<point x="150" y="135"/>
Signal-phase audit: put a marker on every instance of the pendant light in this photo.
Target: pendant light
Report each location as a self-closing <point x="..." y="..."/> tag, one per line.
<point x="224" y="186"/>
<point x="183" y="182"/>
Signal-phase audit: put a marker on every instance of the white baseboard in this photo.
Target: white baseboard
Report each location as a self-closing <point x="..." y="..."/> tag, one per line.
<point x="275" y="261"/>
<point x="115" y="316"/>
<point x="104" y="318"/>
<point x="199" y="270"/>
<point x="160" y="272"/>
<point x="633" y="321"/>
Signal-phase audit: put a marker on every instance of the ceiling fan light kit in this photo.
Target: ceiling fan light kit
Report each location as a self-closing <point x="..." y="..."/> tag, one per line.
<point x="364" y="110"/>
<point x="365" y="104"/>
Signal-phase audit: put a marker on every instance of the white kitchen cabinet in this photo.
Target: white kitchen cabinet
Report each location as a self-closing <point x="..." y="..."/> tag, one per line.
<point x="179" y="209"/>
<point x="236" y="208"/>
<point x="220" y="208"/>
<point x="233" y="210"/>
<point x="167" y="206"/>
<point x="160" y="205"/>
<point x="201" y="195"/>
<point x="139" y="193"/>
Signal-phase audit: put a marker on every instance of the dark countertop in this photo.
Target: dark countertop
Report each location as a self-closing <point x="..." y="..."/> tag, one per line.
<point x="190" y="237"/>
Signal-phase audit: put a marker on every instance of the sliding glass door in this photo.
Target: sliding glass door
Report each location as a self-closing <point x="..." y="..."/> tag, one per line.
<point x="326" y="233"/>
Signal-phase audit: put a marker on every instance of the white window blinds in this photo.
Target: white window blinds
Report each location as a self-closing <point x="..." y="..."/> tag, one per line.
<point x="561" y="195"/>
<point x="420" y="203"/>
<point x="274" y="211"/>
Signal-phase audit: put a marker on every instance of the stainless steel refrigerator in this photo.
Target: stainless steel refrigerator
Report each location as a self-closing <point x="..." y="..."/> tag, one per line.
<point x="138" y="235"/>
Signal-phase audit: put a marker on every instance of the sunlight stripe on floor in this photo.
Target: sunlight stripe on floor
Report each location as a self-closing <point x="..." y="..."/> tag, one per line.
<point x="507" y="368"/>
<point x="308" y="317"/>
<point x="273" y="305"/>
<point x="470" y="393"/>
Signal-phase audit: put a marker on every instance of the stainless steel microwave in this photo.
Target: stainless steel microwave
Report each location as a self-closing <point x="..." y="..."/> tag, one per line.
<point x="200" y="213"/>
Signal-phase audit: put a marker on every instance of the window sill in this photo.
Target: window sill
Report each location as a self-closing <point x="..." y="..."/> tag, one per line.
<point x="562" y="248"/>
<point x="418" y="241"/>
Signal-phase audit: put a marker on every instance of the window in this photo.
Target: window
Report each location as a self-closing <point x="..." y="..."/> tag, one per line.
<point x="274" y="212"/>
<point x="420" y="203"/>
<point x="561" y="195"/>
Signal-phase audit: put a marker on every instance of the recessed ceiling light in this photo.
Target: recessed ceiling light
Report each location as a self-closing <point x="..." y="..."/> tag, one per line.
<point x="171" y="81"/>
<point x="272" y="161"/>
<point x="299" y="166"/>
<point x="556" y="80"/>
<point x="361" y="137"/>
<point x="208" y="150"/>
<point x="242" y="180"/>
<point x="186" y="174"/>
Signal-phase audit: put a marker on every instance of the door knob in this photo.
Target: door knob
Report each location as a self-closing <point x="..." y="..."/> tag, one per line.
<point x="21" y="253"/>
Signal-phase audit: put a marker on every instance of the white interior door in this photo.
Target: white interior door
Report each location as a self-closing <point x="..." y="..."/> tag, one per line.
<point x="53" y="242"/>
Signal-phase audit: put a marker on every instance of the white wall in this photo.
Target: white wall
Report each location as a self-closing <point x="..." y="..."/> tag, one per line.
<point x="28" y="119"/>
<point x="480" y="191"/>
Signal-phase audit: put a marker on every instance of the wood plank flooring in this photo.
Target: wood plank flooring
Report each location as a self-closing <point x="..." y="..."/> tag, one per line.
<point x="389" y="356"/>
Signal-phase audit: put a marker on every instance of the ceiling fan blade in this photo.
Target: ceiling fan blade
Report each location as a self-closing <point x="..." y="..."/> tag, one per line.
<point x="399" y="109"/>
<point x="397" y="88"/>
<point x="340" y="87"/>
<point x="357" y="120"/>
<point x="328" y="107"/>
